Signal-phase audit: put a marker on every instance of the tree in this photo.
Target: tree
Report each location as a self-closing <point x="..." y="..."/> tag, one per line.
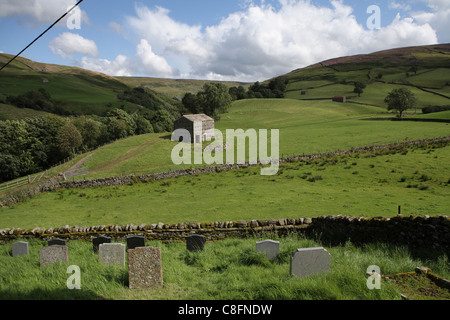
<point x="214" y="99"/>
<point x="142" y="125"/>
<point x="278" y="86"/>
<point x="359" y="88"/>
<point x="69" y="138"/>
<point x="89" y="130"/>
<point x="400" y="100"/>
<point x="120" y="114"/>
<point x="163" y="121"/>
<point x="191" y="103"/>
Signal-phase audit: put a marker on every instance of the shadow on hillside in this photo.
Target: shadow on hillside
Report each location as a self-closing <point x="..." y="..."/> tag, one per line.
<point x="167" y="137"/>
<point x="407" y="119"/>
<point x="378" y="119"/>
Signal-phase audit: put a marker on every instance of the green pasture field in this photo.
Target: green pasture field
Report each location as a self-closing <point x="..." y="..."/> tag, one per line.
<point x="8" y="112"/>
<point x="79" y="93"/>
<point x="356" y="185"/>
<point x="374" y="94"/>
<point x="200" y="275"/>
<point x="445" y="115"/>
<point x="437" y="78"/>
<point x="305" y="127"/>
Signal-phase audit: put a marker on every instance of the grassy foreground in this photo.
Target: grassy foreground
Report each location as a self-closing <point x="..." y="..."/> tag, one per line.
<point x="200" y="275"/>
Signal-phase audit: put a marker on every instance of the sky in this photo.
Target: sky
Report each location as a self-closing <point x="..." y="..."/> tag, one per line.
<point x="237" y="40"/>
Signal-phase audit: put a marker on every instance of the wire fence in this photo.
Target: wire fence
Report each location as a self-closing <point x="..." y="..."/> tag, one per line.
<point x="36" y="177"/>
<point x="10" y="185"/>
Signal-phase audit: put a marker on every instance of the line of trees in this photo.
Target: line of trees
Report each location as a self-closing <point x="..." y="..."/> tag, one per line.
<point x="274" y="89"/>
<point x="38" y="100"/>
<point x="32" y="145"/>
<point x="214" y="98"/>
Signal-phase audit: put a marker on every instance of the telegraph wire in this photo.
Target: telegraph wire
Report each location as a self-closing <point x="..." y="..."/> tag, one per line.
<point x="62" y="17"/>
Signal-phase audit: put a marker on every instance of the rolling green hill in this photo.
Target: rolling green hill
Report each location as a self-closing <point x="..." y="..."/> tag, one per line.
<point x="173" y="87"/>
<point x="77" y="90"/>
<point x="425" y="70"/>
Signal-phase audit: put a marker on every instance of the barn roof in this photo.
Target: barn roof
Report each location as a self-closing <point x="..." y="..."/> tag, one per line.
<point x="198" y="117"/>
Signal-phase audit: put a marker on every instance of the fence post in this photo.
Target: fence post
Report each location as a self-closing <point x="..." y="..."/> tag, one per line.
<point x="29" y="179"/>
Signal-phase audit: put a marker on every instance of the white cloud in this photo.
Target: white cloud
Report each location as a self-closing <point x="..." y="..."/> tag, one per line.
<point x="30" y="12"/>
<point x="120" y="66"/>
<point x="438" y="18"/>
<point x="261" y="41"/>
<point x="146" y="62"/>
<point x="151" y="62"/>
<point x="69" y="43"/>
<point x="159" y="29"/>
<point x="399" y="6"/>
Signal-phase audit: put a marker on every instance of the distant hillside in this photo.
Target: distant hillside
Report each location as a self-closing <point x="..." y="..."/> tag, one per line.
<point x="77" y="90"/>
<point x="424" y="69"/>
<point x="174" y="87"/>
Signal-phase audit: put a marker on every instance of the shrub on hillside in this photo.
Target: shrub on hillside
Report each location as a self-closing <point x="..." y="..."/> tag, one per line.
<point x="432" y="109"/>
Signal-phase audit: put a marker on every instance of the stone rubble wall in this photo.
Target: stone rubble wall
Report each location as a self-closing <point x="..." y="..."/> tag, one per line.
<point x="413" y="231"/>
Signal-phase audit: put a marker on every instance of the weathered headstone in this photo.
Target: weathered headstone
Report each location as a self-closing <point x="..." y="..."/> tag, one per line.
<point x="98" y="241"/>
<point x="310" y="261"/>
<point x="53" y="254"/>
<point x="144" y="268"/>
<point x="196" y="242"/>
<point x="20" y="248"/>
<point x="135" y="242"/>
<point x="112" y="253"/>
<point x="57" y="242"/>
<point x="269" y="247"/>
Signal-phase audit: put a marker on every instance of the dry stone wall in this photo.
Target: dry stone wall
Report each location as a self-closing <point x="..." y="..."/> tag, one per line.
<point x="413" y="231"/>
<point x="56" y="183"/>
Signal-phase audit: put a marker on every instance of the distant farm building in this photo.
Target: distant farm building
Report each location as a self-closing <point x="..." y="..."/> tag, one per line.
<point x="200" y="126"/>
<point x="44" y="80"/>
<point x="339" y="99"/>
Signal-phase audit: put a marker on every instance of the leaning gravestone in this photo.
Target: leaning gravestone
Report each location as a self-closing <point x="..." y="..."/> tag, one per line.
<point x="310" y="261"/>
<point x="269" y="247"/>
<point x="57" y="242"/>
<point x="135" y="242"/>
<point x="20" y="248"/>
<point x="53" y="254"/>
<point x="144" y="268"/>
<point x="196" y="242"/>
<point x="98" y="241"/>
<point x="112" y="253"/>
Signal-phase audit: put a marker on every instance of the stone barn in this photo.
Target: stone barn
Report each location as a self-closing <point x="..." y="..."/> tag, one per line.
<point x="339" y="99"/>
<point x="200" y="126"/>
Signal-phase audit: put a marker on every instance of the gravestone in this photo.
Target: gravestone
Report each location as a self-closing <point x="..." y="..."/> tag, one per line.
<point x="196" y="242"/>
<point x="98" y="241"/>
<point x="135" y="242"/>
<point x="144" y="268"/>
<point x="310" y="261"/>
<point x="53" y="254"/>
<point x="57" y="242"/>
<point x="20" y="248"/>
<point x="269" y="247"/>
<point x="112" y="253"/>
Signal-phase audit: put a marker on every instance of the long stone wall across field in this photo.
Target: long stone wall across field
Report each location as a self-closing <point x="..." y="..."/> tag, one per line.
<point x="413" y="231"/>
<point x="55" y="183"/>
